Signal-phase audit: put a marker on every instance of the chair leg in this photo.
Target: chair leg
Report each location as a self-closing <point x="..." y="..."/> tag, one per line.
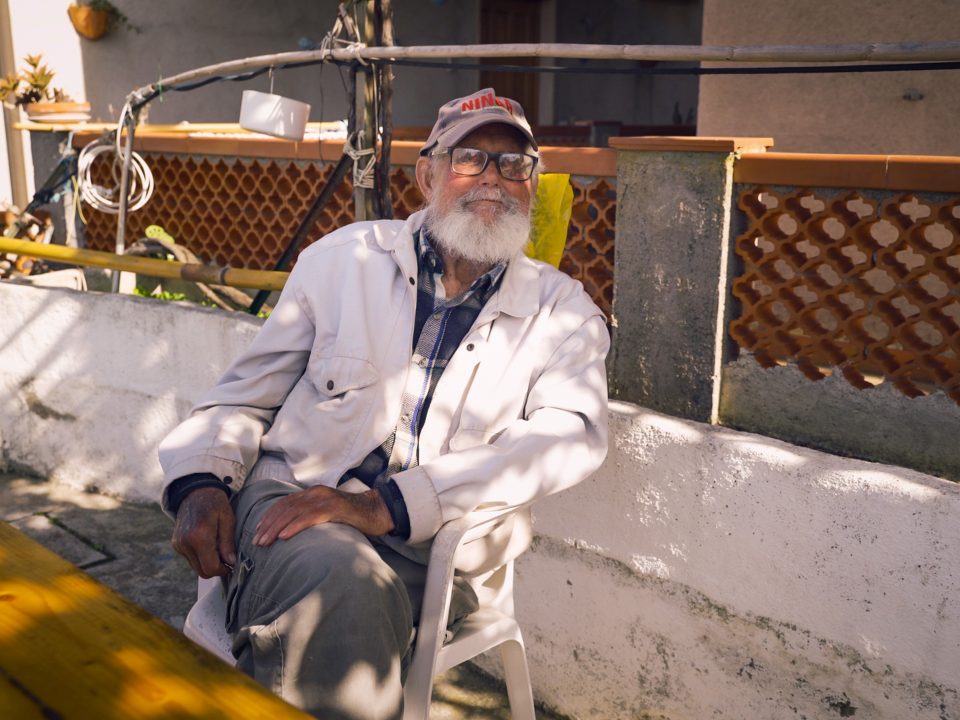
<point x="416" y="700"/>
<point x="517" y="677"/>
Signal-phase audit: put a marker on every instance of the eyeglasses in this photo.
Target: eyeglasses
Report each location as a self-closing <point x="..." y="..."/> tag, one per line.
<point x="470" y="161"/>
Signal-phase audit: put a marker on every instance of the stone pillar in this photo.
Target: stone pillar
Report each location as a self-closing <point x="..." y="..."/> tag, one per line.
<point x="674" y="201"/>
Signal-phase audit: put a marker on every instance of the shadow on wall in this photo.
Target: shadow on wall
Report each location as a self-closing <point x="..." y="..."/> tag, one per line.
<point x="740" y="576"/>
<point x="92" y="382"/>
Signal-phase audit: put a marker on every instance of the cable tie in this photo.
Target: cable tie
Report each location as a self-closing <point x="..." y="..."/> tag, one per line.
<point x="362" y="176"/>
<point x="356" y="48"/>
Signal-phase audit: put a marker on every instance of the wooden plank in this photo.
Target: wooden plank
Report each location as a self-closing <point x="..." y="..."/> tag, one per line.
<point x="597" y="162"/>
<point x="882" y="172"/>
<point x="71" y="648"/>
<point x="659" y="143"/>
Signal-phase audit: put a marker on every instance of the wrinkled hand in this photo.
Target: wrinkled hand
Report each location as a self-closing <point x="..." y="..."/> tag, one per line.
<point x="203" y="532"/>
<point x="367" y="512"/>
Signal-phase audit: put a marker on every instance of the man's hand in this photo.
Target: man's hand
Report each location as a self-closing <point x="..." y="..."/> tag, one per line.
<point x="203" y="532"/>
<point x="367" y="512"/>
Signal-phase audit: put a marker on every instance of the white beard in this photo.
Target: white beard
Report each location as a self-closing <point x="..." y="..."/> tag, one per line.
<point x="463" y="235"/>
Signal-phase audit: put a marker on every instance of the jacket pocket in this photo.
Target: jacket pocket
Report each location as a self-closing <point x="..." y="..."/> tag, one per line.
<point x="466" y="438"/>
<point x="336" y="375"/>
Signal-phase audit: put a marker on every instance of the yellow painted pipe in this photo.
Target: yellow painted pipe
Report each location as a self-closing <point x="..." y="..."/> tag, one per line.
<point x="194" y="272"/>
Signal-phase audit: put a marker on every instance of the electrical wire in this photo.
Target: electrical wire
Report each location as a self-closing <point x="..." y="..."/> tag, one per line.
<point x="655" y="70"/>
<point x="572" y="70"/>
<point x="106" y="199"/>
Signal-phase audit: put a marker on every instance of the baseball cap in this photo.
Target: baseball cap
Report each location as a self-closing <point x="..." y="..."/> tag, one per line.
<point x="460" y="117"/>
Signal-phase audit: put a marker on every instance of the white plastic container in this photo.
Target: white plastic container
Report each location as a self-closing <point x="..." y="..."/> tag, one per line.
<point x="273" y="115"/>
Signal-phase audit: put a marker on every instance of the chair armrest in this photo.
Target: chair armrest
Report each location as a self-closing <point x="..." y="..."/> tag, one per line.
<point x="440" y="572"/>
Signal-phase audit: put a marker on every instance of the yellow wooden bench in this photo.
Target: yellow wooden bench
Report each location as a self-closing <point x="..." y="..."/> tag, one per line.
<point x="71" y="648"/>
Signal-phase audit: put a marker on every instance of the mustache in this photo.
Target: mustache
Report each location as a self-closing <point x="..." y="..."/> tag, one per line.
<point x="488" y="193"/>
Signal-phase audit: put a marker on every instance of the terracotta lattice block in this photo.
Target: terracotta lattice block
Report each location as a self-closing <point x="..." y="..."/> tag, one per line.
<point x="849" y="284"/>
<point x="589" y="254"/>
<point x="243" y="212"/>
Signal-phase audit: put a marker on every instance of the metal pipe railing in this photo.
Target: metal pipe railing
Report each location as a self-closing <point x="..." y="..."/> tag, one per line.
<point x="852" y="52"/>
<point x="193" y="272"/>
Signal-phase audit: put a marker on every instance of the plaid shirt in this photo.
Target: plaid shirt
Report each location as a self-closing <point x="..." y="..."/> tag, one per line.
<point x="440" y="326"/>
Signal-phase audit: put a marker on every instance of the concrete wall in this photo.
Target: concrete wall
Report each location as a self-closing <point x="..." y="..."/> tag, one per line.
<point x="709" y="573"/>
<point x="672" y="210"/>
<point x="639" y="99"/>
<point x="703" y="572"/>
<point x="179" y="35"/>
<point x="896" y="113"/>
<point x="90" y="383"/>
<point x="880" y="423"/>
<point x="672" y="352"/>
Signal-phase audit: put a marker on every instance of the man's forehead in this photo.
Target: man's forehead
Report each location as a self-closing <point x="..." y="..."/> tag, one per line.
<point x="496" y="134"/>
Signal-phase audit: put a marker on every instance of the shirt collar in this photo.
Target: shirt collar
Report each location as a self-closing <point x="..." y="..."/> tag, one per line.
<point x="429" y="258"/>
<point x="519" y="293"/>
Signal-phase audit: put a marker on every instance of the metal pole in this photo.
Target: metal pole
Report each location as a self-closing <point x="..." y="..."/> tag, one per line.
<point x="194" y="272"/>
<point x="333" y="182"/>
<point x="365" y="113"/>
<point x="385" y="87"/>
<point x="124" y="195"/>
<point x="856" y="52"/>
<point x="15" y="151"/>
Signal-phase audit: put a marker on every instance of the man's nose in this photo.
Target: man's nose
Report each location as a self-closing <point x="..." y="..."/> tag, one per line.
<point x="491" y="173"/>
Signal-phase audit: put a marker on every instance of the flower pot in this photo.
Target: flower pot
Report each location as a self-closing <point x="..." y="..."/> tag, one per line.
<point x="273" y="115"/>
<point x="58" y="112"/>
<point x="92" y="23"/>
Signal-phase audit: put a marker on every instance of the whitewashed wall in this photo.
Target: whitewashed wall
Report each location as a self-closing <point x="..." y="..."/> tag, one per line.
<point x="705" y="572"/>
<point x="701" y="573"/>
<point x="90" y="382"/>
<point x="903" y="113"/>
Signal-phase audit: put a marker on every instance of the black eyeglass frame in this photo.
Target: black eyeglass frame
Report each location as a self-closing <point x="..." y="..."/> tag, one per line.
<point x="488" y="156"/>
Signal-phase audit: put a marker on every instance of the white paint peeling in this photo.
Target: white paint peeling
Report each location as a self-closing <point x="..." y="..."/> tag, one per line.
<point x="778" y="456"/>
<point x="651" y="565"/>
<point x="863" y="480"/>
<point x="872" y="648"/>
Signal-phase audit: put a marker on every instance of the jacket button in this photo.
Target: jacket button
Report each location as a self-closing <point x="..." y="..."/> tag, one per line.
<point x="469" y="346"/>
<point x="412" y="281"/>
<point x="329" y="384"/>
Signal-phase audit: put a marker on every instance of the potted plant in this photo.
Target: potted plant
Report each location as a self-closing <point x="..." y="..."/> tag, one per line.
<point x="95" y="18"/>
<point x="30" y="89"/>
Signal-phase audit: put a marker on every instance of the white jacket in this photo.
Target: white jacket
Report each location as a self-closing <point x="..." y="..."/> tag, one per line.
<point x="520" y="412"/>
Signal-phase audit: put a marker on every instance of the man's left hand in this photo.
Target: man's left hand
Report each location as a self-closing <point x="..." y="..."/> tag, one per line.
<point x="367" y="512"/>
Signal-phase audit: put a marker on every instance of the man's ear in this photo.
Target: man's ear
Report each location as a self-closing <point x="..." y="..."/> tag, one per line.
<point x="424" y="172"/>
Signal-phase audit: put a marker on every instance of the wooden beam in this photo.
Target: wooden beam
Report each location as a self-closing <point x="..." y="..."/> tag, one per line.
<point x="72" y="649"/>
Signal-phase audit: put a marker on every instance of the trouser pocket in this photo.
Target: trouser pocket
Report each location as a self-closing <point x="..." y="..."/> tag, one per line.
<point x="235" y="585"/>
<point x="248" y="507"/>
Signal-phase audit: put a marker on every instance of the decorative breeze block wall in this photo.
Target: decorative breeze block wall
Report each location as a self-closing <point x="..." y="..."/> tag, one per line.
<point x="242" y="212"/>
<point x="843" y="282"/>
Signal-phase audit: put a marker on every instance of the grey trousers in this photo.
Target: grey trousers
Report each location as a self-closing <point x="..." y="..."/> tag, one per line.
<point x="325" y="619"/>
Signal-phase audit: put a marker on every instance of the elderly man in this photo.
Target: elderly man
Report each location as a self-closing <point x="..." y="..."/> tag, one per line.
<point x="411" y="372"/>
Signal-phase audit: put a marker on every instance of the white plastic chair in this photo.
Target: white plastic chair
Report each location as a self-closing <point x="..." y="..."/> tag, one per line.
<point x="493" y="625"/>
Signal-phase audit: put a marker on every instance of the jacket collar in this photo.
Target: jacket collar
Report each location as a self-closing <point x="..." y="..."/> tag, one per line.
<point x="519" y="293"/>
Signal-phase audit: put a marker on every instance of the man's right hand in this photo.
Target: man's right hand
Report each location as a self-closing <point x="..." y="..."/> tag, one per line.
<point x="203" y="532"/>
